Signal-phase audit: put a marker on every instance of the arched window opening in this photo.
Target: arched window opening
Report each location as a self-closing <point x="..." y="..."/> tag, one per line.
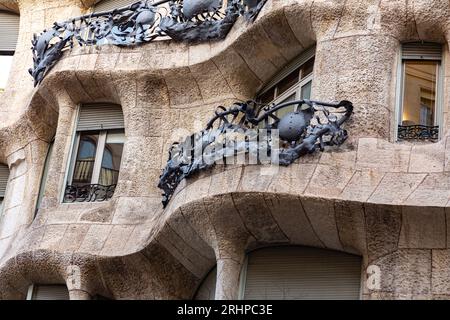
<point x="97" y="154"/>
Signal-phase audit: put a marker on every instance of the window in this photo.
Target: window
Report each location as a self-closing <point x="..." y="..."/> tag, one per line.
<point x="293" y="83"/>
<point x="9" y="24"/>
<point x="97" y="154"/>
<point x="4" y="176"/>
<point x="294" y="273"/>
<point x="48" y="292"/>
<point x="301" y="273"/>
<point x="420" y="114"/>
<point x="107" y="5"/>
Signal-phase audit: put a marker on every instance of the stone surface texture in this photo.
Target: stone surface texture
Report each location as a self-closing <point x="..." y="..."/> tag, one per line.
<point x="384" y="200"/>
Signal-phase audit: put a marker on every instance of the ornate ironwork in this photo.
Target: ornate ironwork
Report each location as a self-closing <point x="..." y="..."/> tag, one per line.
<point x="418" y="132"/>
<point x="141" y="22"/>
<point x="89" y="193"/>
<point x="314" y="126"/>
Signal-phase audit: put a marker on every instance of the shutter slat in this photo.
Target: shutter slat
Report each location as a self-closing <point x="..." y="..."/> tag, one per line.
<point x="293" y="65"/>
<point x="302" y="273"/>
<point x="100" y="117"/>
<point x="4" y="176"/>
<point x="50" y="292"/>
<point x="9" y="26"/>
<point x="108" y="5"/>
<point x="421" y="51"/>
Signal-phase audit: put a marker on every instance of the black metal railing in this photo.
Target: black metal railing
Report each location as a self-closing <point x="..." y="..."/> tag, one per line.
<point x="418" y="132"/>
<point x="88" y="193"/>
<point x="141" y="22"/>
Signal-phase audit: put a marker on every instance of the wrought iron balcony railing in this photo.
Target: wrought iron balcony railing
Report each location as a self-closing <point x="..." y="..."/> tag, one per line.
<point x="255" y="130"/>
<point x="418" y="132"/>
<point x="88" y="193"/>
<point x="141" y="22"/>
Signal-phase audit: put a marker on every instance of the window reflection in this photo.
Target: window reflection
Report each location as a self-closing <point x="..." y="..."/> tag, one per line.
<point x="84" y="165"/>
<point x="419" y="101"/>
<point x="112" y="157"/>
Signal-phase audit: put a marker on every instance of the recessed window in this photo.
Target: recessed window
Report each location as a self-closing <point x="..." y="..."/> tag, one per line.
<point x="4" y="176"/>
<point x="294" y="273"/>
<point x="97" y="154"/>
<point x="420" y="112"/>
<point x="48" y="292"/>
<point x="107" y="5"/>
<point x="9" y="26"/>
<point x="293" y="83"/>
<point x="301" y="273"/>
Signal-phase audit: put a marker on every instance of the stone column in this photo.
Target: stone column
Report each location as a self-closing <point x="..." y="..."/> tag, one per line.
<point x="79" y="295"/>
<point x="228" y="279"/>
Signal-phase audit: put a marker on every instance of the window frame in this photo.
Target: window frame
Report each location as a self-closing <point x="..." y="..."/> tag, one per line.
<point x="295" y="89"/>
<point x="99" y="153"/>
<point x="7" y="54"/>
<point x="400" y="90"/>
<point x="295" y="65"/>
<point x="73" y="153"/>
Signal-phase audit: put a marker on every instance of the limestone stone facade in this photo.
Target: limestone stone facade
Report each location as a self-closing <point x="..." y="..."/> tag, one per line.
<point x="384" y="200"/>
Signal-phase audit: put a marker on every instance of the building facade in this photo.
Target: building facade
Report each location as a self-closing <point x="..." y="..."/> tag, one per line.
<point x="84" y="143"/>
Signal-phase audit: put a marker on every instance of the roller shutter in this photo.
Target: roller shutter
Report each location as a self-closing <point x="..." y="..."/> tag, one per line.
<point x="108" y="5"/>
<point x="302" y="274"/>
<point x="9" y="26"/>
<point x="50" y="292"/>
<point x="421" y="51"/>
<point x="4" y="175"/>
<point x="100" y="117"/>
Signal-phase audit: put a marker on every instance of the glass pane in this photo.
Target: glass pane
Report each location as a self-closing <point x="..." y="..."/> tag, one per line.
<point x="283" y="112"/>
<point x="112" y="156"/>
<point x="84" y="165"/>
<point x="5" y="66"/>
<point x="306" y="91"/>
<point x="287" y="82"/>
<point x="419" y="99"/>
<point x="307" y="68"/>
<point x="267" y="97"/>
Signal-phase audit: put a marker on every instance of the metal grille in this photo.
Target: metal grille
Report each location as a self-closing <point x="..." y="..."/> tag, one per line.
<point x="421" y="51"/>
<point x="9" y="26"/>
<point x="302" y="273"/>
<point x="4" y="175"/>
<point x="100" y="117"/>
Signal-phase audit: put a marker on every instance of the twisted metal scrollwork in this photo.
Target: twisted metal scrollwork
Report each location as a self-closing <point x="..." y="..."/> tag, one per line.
<point x="312" y="127"/>
<point x="418" y="132"/>
<point x="88" y="193"/>
<point x="141" y="22"/>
